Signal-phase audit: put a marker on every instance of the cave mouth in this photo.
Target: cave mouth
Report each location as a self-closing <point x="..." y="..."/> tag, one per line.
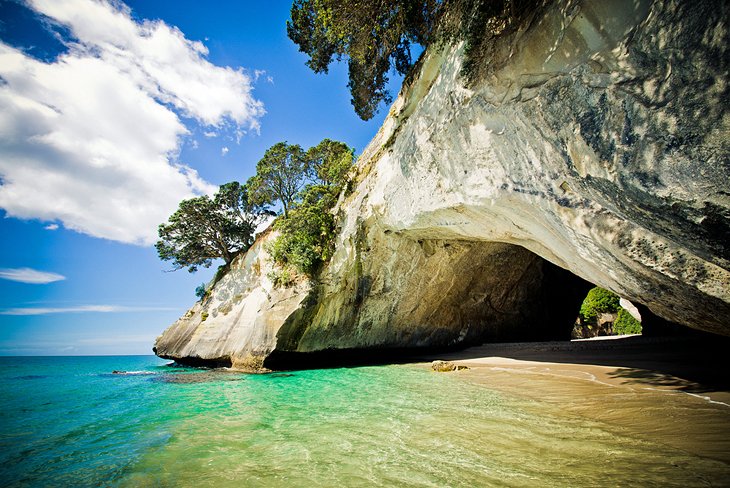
<point x="603" y="313"/>
<point x="443" y="295"/>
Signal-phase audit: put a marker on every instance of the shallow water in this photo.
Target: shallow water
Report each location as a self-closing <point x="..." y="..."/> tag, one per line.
<point x="69" y="422"/>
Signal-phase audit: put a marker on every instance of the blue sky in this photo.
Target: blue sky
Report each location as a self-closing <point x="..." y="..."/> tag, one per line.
<point x="109" y="115"/>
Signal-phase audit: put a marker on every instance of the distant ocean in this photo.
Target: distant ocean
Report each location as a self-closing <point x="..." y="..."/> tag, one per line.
<point x="68" y="421"/>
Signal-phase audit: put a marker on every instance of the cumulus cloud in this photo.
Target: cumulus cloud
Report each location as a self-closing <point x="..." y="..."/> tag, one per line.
<point x="80" y="309"/>
<point x="29" y="275"/>
<point x="91" y="139"/>
<point x="51" y="227"/>
<point x="224" y="150"/>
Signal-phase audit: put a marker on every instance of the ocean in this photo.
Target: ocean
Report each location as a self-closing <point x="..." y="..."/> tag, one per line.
<point x="68" y="421"/>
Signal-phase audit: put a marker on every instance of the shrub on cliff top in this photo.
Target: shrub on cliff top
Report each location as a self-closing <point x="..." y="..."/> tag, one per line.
<point x="307" y="228"/>
<point x="200" y="291"/>
<point x="307" y="235"/>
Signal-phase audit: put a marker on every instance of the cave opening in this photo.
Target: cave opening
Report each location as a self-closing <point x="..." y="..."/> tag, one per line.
<point x="604" y="313"/>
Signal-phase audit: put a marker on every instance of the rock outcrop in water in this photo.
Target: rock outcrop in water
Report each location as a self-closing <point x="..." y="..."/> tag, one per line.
<point x="596" y="141"/>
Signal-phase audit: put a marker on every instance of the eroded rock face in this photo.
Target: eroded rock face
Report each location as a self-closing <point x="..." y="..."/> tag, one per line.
<point x="597" y="141"/>
<point x="385" y="290"/>
<point x="237" y="322"/>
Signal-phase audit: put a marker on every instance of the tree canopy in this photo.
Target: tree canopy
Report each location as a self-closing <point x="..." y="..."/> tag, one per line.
<point x="286" y="169"/>
<point x="329" y="161"/>
<point x="374" y="35"/>
<point x="307" y="232"/>
<point x="378" y="35"/>
<point x="280" y="175"/>
<point x="598" y="301"/>
<point x="204" y="228"/>
<point x="305" y="183"/>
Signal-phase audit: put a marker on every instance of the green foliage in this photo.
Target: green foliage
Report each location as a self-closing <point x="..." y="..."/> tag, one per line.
<point x="307" y="231"/>
<point x="598" y="301"/>
<point x="204" y="316"/>
<point x="200" y="291"/>
<point x="626" y="324"/>
<point x="374" y="36"/>
<point x="377" y="36"/>
<point x="329" y="162"/>
<point x="203" y="229"/>
<point x="307" y="235"/>
<point x="478" y="22"/>
<point x="280" y="175"/>
<point x="282" y="277"/>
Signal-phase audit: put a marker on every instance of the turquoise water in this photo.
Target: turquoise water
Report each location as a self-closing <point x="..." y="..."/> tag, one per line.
<point x="70" y="422"/>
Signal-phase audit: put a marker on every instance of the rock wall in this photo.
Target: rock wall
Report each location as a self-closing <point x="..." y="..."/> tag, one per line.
<point x="237" y="321"/>
<point x="596" y="138"/>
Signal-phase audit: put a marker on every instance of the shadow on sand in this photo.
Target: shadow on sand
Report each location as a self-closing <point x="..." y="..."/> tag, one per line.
<point x="691" y="364"/>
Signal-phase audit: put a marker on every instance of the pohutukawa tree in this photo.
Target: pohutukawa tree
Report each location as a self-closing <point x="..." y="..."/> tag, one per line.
<point x="280" y="175"/>
<point x="374" y="35"/>
<point x="329" y="161"/>
<point x="377" y="36"/>
<point x="203" y="229"/>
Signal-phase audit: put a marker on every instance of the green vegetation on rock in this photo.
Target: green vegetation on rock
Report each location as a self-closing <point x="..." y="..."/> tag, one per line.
<point x="626" y="324"/>
<point x="377" y="37"/>
<point x="305" y="183"/>
<point x="204" y="228"/>
<point x="307" y="231"/>
<point x="598" y="301"/>
<point x="307" y="235"/>
<point x="200" y="291"/>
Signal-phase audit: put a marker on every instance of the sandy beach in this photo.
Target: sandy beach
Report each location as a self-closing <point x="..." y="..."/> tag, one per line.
<point x="669" y="390"/>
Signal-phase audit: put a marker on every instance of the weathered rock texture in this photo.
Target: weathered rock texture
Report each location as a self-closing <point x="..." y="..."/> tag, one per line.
<point x="597" y="138"/>
<point x="237" y="321"/>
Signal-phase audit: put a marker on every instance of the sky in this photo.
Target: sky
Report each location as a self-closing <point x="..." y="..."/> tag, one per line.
<point x="111" y="113"/>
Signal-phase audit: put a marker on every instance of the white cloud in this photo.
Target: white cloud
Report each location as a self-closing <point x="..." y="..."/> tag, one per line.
<point x="261" y="72"/>
<point x="51" y="227"/>
<point x="224" y="151"/>
<point x="80" y="309"/>
<point x="29" y="275"/>
<point x="210" y="134"/>
<point x="91" y="139"/>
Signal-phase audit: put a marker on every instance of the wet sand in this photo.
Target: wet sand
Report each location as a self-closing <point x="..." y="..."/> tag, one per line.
<point x="674" y="391"/>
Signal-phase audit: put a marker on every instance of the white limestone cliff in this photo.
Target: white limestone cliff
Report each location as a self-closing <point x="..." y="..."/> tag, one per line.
<point x="596" y="138"/>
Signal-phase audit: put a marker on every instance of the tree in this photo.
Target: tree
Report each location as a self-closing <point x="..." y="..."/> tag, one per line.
<point x="329" y="161"/>
<point x="307" y="232"/>
<point x="203" y="229"/>
<point x="280" y="175"/>
<point x="626" y="323"/>
<point x="200" y="291"/>
<point x="598" y="301"/>
<point x="375" y="36"/>
<point x="307" y="236"/>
